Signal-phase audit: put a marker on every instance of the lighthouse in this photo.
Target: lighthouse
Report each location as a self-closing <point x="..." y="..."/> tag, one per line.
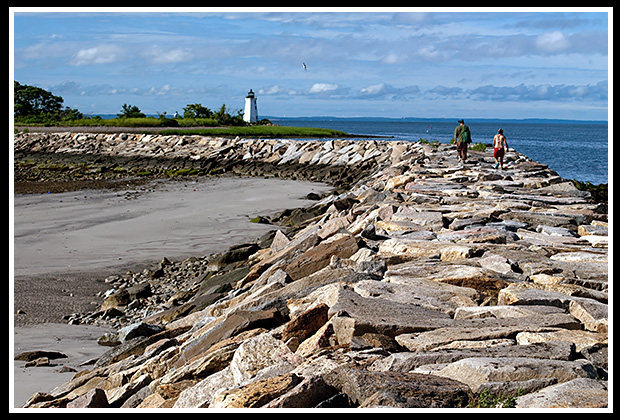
<point x="250" y="113"/>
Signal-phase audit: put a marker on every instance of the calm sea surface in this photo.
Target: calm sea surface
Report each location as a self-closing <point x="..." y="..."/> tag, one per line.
<point x="575" y="151"/>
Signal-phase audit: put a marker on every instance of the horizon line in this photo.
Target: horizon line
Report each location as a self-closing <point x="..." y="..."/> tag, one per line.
<point x="404" y="119"/>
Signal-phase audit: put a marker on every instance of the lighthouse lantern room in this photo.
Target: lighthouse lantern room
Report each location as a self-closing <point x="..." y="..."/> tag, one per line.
<point x="250" y="113"/>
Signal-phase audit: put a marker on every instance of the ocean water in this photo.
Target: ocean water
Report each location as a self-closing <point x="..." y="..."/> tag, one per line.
<point x="575" y="150"/>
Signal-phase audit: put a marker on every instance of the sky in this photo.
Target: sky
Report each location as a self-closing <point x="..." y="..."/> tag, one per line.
<point x="372" y="62"/>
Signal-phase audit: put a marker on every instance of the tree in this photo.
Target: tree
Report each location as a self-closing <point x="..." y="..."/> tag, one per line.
<point x="196" y="111"/>
<point x="34" y="101"/>
<point x="223" y="117"/>
<point x="130" y="111"/>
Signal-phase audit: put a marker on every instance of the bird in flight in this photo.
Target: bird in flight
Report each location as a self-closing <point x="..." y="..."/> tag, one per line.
<point x="304" y="64"/>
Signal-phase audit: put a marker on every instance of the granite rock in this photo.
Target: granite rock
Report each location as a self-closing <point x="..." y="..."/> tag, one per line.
<point x="417" y="283"/>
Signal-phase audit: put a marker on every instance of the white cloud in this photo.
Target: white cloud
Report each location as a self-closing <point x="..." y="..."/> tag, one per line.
<point x="384" y="91"/>
<point x="391" y="58"/>
<point x="323" y="87"/>
<point x="552" y="42"/>
<point x="270" y="91"/>
<point x="102" y="54"/>
<point x="157" y="55"/>
<point x="429" y="53"/>
<point x="373" y="89"/>
<point x="544" y="92"/>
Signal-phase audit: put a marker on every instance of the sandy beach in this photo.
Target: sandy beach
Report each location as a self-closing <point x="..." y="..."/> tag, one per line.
<point x="65" y="245"/>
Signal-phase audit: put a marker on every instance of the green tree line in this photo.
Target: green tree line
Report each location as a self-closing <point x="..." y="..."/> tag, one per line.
<point x="37" y="106"/>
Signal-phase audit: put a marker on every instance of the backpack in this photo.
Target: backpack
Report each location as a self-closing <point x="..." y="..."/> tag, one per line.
<point x="466" y="137"/>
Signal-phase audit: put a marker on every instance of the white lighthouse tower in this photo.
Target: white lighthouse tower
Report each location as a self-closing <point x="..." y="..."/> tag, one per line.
<point x="250" y="113"/>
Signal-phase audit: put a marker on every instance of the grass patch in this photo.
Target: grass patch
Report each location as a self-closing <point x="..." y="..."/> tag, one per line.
<point x="434" y="143"/>
<point x="204" y="127"/>
<point x="183" y="172"/>
<point x="486" y="399"/>
<point x="479" y="147"/>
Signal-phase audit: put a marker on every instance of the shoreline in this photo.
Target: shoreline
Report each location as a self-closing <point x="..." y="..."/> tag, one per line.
<point x="45" y="299"/>
<point x="76" y="224"/>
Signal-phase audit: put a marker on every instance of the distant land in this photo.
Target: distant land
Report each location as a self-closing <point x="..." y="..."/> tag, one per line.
<point x="411" y="119"/>
<point x="450" y="120"/>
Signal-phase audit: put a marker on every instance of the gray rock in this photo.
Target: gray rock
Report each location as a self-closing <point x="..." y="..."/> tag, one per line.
<point x="139" y="329"/>
<point x="483" y="329"/>
<point x="476" y="371"/>
<point x="397" y="389"/>
<point x="376" y="315"/>
<point x="576" y="393"/>
<point x="425" y="293"/>
<point x="408" y="361"/>
<point x="95" y="398"/>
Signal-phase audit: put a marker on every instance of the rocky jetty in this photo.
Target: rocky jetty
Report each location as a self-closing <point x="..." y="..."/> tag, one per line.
<point x="417" y="283"/>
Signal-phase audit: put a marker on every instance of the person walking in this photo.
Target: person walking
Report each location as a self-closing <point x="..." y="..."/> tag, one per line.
<point x="499" y="148"/>
<point x="462" y="137"/>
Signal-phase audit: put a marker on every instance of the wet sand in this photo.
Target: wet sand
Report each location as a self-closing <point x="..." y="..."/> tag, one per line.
<point x="65" y="245"/>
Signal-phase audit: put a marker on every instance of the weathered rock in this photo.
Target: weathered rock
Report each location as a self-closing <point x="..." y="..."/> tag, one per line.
<point x="206" y="362"/>
<point x="120" y="298"/>
<point x="576" y="393"/>
<point x="535" y="219"/>
<point x="319" y="257"/>
<point x="117" y="396"/>
<point x="255" y="394"/>
<point x="580" y="257"/>
<point x="496" y="263"/>
<point x="376" y="315"/>
<point x="201" y="394"/>
<point x="258" y="353"/>
<point x="531" y="294"/>
<point x="408" y="361"/>
<point x="483" y="329"/>
<point x="306" y="324"/>
<point x="296" y="246"/>
<point x="138" y="330"/>
<point x="95" y="398"/>
<point x="505" y="311"/>
<point x="454" y="253"/>
<point x="233" y="324"/>
<point x="515" y="388"/>
<point x="422" y="292"/>
<point x="397" y="389"/>
<point x="476" y="371"/>
<point x="592" y="314"/>
<point x="581" y="339"/>
<point x="29" y="356"/>
<point x="456" y="273"/>
<point x="41" y="361"/>
<point x="309" y="393"/>
<point x="234" y="254"/>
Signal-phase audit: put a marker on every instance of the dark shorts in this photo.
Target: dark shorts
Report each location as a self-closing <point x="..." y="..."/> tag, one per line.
<point x="461" y="146"/>
<point x="498" y="153"/>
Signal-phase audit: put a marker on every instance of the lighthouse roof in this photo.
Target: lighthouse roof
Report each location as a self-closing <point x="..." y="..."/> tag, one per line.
<point x="250" y="94"/>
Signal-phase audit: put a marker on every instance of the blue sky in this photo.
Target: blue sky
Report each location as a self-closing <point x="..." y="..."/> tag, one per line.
<point x="431" y="63"/>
